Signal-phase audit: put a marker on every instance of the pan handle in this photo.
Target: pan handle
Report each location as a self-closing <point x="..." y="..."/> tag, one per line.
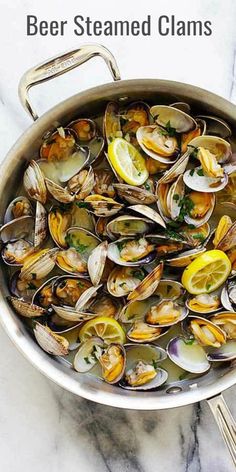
<point x="58" y="65"/>
<point x="225" y="422"/>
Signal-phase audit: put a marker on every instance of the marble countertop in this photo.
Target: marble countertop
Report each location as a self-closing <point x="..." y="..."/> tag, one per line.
<point x="43" y="427"/>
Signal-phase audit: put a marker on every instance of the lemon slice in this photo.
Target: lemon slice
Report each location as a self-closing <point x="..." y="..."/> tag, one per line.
<point x="104" y="327"/>
<point x="127" y="162"/>
<point x="207" y="272"/>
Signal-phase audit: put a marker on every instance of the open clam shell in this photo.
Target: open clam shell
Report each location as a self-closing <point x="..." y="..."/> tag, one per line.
<point x="14" y="253"/>
<point x="148" y="285"/>
<point x="219" y="147"/>
<point x="34" y="182"/>
<point x="178" y="119"/>
<point x="156" y="145"/>
<point x="226" y="320"/>
<point x="129" y="248"/>
<point x="205" y="303"/>
<point x="141" y="332"/>
<point x="225" y="353"/>
<point x="19" y="206"/>
<point x="136" y="310"/>
<point x="61" y="194"/>
<point x="68" y="288"/>
<point x="135" y="195"/>
<point x="127" y="225"/>
<point x="136" y="115"/>
<point x="204" y="331"/>
<point x="123" y="280"/>
<point x="215" y="126"/>
<point x="169" y="289"/>
<point x="84" y="128"/>
<point x="68" y="167"/>
<point x="195" y="179"/>
<point x="88" y="354"/>
<point x="166" y="313"/>
<point x="148" y="213"/>
<point x="113" y="362"/>
<point x="51" y="342"/>
<point x="178" y="168"/>
<point x="82" y="183"/>
<point x="188" y="355"/>
<point x="140" y="360"/>
<point x="19" y="228"/>
<point x="44" y="295"/>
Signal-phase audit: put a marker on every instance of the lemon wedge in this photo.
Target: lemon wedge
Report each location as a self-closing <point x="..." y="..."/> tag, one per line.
<point x="127" y="161"/>
<point x="207" y="272"/>
<point x="104" y="327"/>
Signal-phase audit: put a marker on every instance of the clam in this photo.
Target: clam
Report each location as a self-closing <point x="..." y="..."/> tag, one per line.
<point x="224" y="353"/>
<point x="34" y="182"/>
<point x="24" y="289"/>
<point x="19" y="228"/>
<point x="58" y="145"/>
<point x="102" y="206"/>
<point x="225" y="300"/>
<point x="96" y="262"/>
<point x="169" y="290"/>
<point x="60" y="194"/>
<point x="123" y="280"/>
<point x="205" y="332"/>
<point x="195" y="236"/>
<point x="88" y="354"/>
<point x="39" y="264"/>
<point x="141" y="332"/>
<point x="165" y="313"/>
<point x="222" y="229"/>
<point x="178" y="168"/>
<point x="215" y="126"/>
<point x="148" y="285"/>
<point x="204" y="303"/>
<point x="227" y="322"/>
<point x="41" y="225"/>
<point x="188" y="355"/>
<point x="158" y="144"/>
<point x="68" y="289"/>
<point x="135" y="195"/>
<point x="69" y="313"/>
<point x="59" y="220"/>
<point x="142" y="371"/>
<point x="113" y="362"/>
<point x="196" y="179"/>
<point x="72" y="262"/>
<point x="127" y="225"/>
<point x="131" y="252"/>
<point x="171" y="117"/>
<point x="14" y="253"/>
<point x="51" y="342"/>
<point x="44" y="294"/>
<point x="18" y="207"/>
<point x="136" y="115"/>
<point x="182" y="106"/>
<point x="228" y="241"/>
<point x="104" y="183"/>
<point x="148" y="213"/>
<point x="26" y="309"/>
<point x="174" y="197"/>
<point x="111" y="123"/>
<point x="84" y="128"/>
<point x="82" y="183"/>
<point x="185" y="258"/>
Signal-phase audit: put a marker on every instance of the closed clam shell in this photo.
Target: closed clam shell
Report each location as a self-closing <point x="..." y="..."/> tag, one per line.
<point x="147" y="286"/>
<point x="96" y="262"/>
<point x="51" y="342"/>
<point x="188" y="355"/>
<point x="229" y="240"/>
<point x="34" y="182"/>
<point x="69" y="313"/>
<point x="102" y="206"/>
<point x="26" y="309"/>
<point x="178" y="119"/>
<point x="177" y="189"/>
<point x="135" y="195"/>
<point x="185" y="258"/>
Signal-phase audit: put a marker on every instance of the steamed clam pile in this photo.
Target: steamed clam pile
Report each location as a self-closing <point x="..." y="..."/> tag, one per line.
<point x="119" y="249"/>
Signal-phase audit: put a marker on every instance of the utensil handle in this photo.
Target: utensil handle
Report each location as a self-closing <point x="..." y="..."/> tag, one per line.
<point x="225" y="422"/>
<point x="58" y="65"/>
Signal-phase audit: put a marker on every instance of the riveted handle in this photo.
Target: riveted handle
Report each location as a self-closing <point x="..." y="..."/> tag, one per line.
<point x="225" y="422"/>
<point x="59" y="65"/>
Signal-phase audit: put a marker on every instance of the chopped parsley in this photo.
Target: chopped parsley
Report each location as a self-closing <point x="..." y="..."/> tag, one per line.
<point x="138" y="274"/>
<point x="147" y="186"/>
<point x="186" y="206"/>
<point x="83" y="204"/>
<point x="170" y="130"/>
<point x="199" y="236"/>
<point x="208" y="286"/>
<point x="191" y="172"/>
<point x="189" y="342"/>
<point x="176" y="197"/>
<point x="200" y="172"/>
<point x="122" y="284"/>
<point x="194" y="152"/>
<point x="87" y="360"/>
<point x="154" y="363"/>
<point x="79" y="247"/>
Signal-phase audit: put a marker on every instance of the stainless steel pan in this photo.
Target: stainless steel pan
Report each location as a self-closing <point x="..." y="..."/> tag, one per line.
<point x="89" y="103"/>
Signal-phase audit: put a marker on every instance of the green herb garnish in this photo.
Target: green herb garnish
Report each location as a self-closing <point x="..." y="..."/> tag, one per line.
<point x="189" y="342"/>
<point x="191" y="172"/>
<point x="137" y="274"/>
<point x="176" y="197"/>
<point x="87" y="360"/>
<point x="154" y="363"/>
<point x="200" y="172"/>
<point x="83" y="205"/>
